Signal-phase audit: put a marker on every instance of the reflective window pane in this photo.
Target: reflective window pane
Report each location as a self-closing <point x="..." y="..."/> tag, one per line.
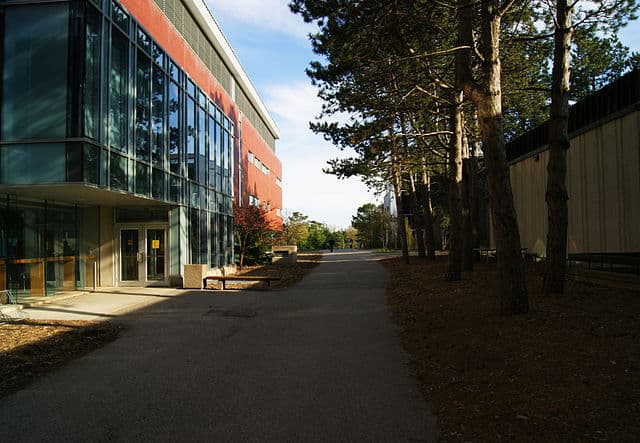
<point x="157" y="184"/>
<point x="142" y="179"/>
<point x="191" y="139"/>
<point x="157" y="117"/>
<point x="194" y="235"/>
<point x="129" y="254"/>
<point x="118" y="88"/>
<point x="174" y="128"/>
<point x="34" y="76"/>
<point x="33" y="164"/>
<point x="191" y="88"/>
<point x="91" y="164"/>
<point x="120" y="17"/>
<point x="174" y="189"/>
<point x="174" y="72"/>
<point x="92" y="75"/>
<point x="144" y="41"/>
<point x="118" y="172"/>
<point x="158" y="55"/>
<point x="219" y="151"/>
<point x="143" y="96"/>
<point x="212" y="153"/>
<point x="202" y="146"/>
<point x="222" y="232"/>
<point x="213" y="253"/>
<point x="74" y="153"/>
<point x="155" y="254"/>
<point x="194" y="195"/>
<point x="204" y="235"/>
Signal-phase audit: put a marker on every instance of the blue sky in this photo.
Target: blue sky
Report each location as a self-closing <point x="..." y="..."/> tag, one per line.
<point x="273" y="47"/>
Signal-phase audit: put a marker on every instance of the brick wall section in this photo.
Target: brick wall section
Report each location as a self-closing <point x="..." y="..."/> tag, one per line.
<point x="255" y="182"/>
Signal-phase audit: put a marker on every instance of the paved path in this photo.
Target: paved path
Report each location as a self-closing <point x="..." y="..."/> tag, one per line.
<point x="317" y="362"/>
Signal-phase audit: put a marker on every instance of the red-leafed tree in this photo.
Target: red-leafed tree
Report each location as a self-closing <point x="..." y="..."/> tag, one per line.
<point x="253" y="231"/>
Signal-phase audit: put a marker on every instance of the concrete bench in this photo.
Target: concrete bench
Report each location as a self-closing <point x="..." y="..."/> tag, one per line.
<point x="239" y="278"/>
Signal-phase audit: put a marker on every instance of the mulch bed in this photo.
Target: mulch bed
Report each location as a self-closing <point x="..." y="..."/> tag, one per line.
<point x="30" y="348"/>
<point x="567" y="371"/>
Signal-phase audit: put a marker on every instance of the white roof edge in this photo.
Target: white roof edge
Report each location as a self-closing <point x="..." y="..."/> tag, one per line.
<point x="210" y="26"/>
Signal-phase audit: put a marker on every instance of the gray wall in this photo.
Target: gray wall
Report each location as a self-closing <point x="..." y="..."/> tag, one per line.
<point x="603" y="180"/>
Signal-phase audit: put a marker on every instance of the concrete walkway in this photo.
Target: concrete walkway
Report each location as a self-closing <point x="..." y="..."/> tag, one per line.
<point x="316" y="362"/>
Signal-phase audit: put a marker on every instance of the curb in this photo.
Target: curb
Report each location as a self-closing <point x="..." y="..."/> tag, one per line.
<point x="53" y="299"/>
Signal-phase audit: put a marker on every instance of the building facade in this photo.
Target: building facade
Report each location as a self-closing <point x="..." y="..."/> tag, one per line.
<point x="126" y="129"/>
<point x="603" y="174"/>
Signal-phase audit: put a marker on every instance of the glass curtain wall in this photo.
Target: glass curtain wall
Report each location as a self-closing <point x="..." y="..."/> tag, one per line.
<point x="182" y="143"/>
<point x="34" y="93"/>
<point x="45" y="247"/>
<point x="143" y="126"/>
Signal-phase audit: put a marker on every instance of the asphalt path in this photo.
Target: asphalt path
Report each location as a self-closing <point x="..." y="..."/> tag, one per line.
<point x="316" y="362"/>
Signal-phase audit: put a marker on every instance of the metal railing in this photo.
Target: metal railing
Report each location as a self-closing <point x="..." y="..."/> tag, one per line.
<point x="8" y="297"/>
<point x="12" y="312"/>
<point x="628" y="263"/>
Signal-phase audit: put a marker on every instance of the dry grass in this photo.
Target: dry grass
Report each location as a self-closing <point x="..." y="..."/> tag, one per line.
<point x="568" y="371"/>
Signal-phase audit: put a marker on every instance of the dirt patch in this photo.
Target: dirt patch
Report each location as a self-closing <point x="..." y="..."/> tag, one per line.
<point x="30" y="348"/>
<point x="567" y="371"/>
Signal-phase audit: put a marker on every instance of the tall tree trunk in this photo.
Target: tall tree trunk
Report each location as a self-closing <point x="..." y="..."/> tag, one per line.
<point x="383" y="228"/>
<point x="475" y="194"/>
<point x="418" y="220"/>
<point x="397" y="191"/>
<point x="427" y="212"/>
<point x="487" y="99"/>
<point x="557" y="195"/>
<point x="413" y="199"/>
<point x="467" y="222"/>
<point x="454" y="269"/>
<point x="467" y="195"/>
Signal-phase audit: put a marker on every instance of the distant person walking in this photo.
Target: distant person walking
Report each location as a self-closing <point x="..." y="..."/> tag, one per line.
<point x="331" y="243"/>
<point x="350" y="243"/>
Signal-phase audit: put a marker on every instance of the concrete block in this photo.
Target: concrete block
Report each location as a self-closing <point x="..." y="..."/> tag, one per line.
<point x="285" y="254"/>
<point x="193" y="276"/>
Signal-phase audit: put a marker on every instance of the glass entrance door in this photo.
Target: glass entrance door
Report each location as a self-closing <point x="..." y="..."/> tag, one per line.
<point x="155" y="254"/>
<point x="129" y="255"/>
<point x="143" y="256"/>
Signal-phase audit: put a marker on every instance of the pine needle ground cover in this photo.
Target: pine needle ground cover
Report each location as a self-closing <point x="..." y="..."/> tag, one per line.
<point x="567" y="371"/>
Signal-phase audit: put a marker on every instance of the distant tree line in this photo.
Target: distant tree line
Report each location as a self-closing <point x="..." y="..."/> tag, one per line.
<point x="310" y="235"/>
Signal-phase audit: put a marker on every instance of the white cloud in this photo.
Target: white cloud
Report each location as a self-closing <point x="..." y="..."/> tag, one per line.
<point x="273" y="15"/>
<point x="296" y="103"/>
<point x="303" y="154"/>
